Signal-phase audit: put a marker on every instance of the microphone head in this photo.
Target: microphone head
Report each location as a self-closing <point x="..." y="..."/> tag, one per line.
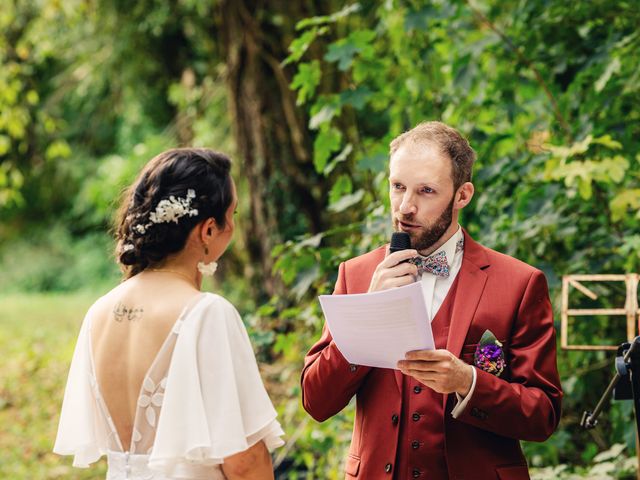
<point x="399" y="241"/>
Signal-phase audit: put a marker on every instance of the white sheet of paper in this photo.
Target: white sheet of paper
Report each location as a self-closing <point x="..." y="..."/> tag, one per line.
<point x="377" y="329"/>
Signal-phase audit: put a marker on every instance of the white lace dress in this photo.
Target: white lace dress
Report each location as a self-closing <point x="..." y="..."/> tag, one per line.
<point x="202" y="400"/>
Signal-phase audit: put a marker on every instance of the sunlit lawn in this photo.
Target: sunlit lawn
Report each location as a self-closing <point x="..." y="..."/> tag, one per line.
<point x="37" y="335"/>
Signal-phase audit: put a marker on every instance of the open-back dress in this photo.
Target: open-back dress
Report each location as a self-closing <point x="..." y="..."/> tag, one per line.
<point x="201" y="401"/>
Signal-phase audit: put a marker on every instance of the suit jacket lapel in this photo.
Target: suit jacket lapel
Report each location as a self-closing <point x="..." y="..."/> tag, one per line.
<point x="471" y="282"/>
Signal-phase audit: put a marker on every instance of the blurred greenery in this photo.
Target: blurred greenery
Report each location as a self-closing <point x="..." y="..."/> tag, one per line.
<point x="547" y="92"/>
<point x="37" y="336"/>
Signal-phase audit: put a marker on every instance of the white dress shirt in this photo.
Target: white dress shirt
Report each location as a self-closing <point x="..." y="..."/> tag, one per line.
<point x="435" y="290"/>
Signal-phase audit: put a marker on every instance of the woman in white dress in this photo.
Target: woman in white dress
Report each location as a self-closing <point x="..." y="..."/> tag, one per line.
<point x="163" y="379"/>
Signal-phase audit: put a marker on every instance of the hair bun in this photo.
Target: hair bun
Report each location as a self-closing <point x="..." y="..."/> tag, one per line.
<point x="175" y="191"/>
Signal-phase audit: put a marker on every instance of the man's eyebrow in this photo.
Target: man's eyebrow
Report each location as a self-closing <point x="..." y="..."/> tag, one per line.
<point x="431" y="184"/>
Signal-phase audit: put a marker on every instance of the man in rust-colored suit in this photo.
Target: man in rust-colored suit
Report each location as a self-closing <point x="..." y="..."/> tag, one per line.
<point x="457" y="411"/>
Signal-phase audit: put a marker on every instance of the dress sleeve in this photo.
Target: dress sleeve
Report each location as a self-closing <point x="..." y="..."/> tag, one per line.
<point x="215" y="404"/>
<point x="81" y="430"/>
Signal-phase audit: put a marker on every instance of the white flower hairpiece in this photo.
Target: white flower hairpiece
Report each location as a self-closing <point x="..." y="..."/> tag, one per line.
<point x="170" y="210"/>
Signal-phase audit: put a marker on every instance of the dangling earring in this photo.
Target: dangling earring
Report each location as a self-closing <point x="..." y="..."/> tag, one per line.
<point x="207" y="269"/>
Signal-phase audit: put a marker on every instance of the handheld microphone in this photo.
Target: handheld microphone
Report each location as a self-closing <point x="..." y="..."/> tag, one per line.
<point x="399" y="241"/>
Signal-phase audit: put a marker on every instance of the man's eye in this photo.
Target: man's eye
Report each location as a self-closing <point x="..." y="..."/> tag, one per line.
<point x="397" y="186"/>
<point x="428" y="190"/>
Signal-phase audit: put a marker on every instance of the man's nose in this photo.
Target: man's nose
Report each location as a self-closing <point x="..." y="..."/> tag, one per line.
<point x="407" y="206"/>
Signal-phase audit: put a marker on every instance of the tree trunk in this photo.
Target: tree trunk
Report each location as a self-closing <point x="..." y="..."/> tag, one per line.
<point x="286" y="195"/>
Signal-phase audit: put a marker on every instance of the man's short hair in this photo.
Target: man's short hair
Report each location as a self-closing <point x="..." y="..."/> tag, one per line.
<point x="448" y="140"/>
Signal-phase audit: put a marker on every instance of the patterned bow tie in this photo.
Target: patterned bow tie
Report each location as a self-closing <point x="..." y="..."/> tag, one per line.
<point x="436" y="264"/>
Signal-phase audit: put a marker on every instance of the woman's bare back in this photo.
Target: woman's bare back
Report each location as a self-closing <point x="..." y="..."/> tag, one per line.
<point x="129" y="327"/>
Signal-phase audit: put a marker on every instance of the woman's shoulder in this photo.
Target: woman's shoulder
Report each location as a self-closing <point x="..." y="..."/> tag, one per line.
<point x="216" y="301"/>
<point x="214" y="313"/>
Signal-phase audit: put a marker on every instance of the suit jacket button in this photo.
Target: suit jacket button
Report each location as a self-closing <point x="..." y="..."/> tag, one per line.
<point x="415" y="445"/>
<point x="388" y="467"/>
<point x="415" y="417"/>
<point x="417" y="389"/>
<point x="394" y="419"/>
<point x="475" y="412"/>
<point x="415" y="473"/>
<point x="352" y="367"/>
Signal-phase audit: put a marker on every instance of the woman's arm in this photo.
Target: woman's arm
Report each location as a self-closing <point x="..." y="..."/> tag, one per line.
<point x="254" y="463"/>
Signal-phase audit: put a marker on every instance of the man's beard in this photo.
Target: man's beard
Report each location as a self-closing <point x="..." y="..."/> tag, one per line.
<point x="429" y="234"/>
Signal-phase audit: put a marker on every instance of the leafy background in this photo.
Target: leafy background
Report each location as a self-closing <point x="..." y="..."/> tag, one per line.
<point x="306" y="96"/>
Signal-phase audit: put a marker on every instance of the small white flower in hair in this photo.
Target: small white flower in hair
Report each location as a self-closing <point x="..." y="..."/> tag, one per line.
<point x="141" y="229"/>
<point x="169" y="210"/>
<point x="172" y="209"/>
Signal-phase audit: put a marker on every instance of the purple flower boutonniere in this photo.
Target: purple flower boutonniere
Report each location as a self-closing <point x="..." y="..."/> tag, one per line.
<point x="489" y="355"/>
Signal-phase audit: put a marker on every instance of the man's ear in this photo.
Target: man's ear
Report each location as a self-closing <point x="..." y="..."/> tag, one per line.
<point x="463" y="195"/>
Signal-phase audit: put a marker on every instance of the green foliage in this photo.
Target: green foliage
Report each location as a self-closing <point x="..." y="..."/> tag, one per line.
<point x="547" y="94"/>
<point x="53" y="260"/>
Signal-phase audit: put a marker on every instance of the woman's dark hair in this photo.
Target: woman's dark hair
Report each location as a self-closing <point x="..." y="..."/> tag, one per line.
<point x="142" y="243"/>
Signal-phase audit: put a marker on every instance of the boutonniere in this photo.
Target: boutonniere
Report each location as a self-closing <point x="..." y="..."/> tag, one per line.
<point x="489" y="355"/>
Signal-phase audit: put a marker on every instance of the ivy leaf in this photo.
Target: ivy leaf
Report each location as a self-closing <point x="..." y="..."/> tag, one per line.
<point x="306" y="80"/>
<point x="341" y="157"/>
<point x="324" y="19"/>
<point x="5" y="144"/>
<point x="58" y="149"/>
<point x="324" y="111"/>
<point x="344" y="50"/>
<point x="312" y="241"/>
<point x="304" y="280"/>
<point x="418" y="19"/>
<point x="375" y="162"/>
<point x="327" y="142"/>
<point x="584" y="188"/>
<point x="347" y="201"/>
<point x="342" y="187"/>
<point x="615" y="168"/>
<point x="577" y="148"/>
<point x="300" y="45"/>
<point x="357" y="98"/>
<point x="613" y="67"/>
<point x="607" y="141"/>
<point x="623" y="201"/>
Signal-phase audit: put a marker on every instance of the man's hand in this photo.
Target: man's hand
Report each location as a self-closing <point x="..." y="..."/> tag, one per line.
<point x="438" y="369"/>
<point x="392" y="272"/>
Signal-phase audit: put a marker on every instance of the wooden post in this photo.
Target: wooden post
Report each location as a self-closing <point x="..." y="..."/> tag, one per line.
<point x="564" y="316"/>
<point x="630" y="311"/>
<point x="632" y="297"/>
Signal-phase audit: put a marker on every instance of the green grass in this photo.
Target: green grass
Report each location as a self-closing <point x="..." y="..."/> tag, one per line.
<point x="37" y="336"/>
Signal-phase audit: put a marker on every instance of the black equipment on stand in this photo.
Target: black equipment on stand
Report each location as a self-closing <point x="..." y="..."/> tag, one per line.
<point x="625" y="386"/>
